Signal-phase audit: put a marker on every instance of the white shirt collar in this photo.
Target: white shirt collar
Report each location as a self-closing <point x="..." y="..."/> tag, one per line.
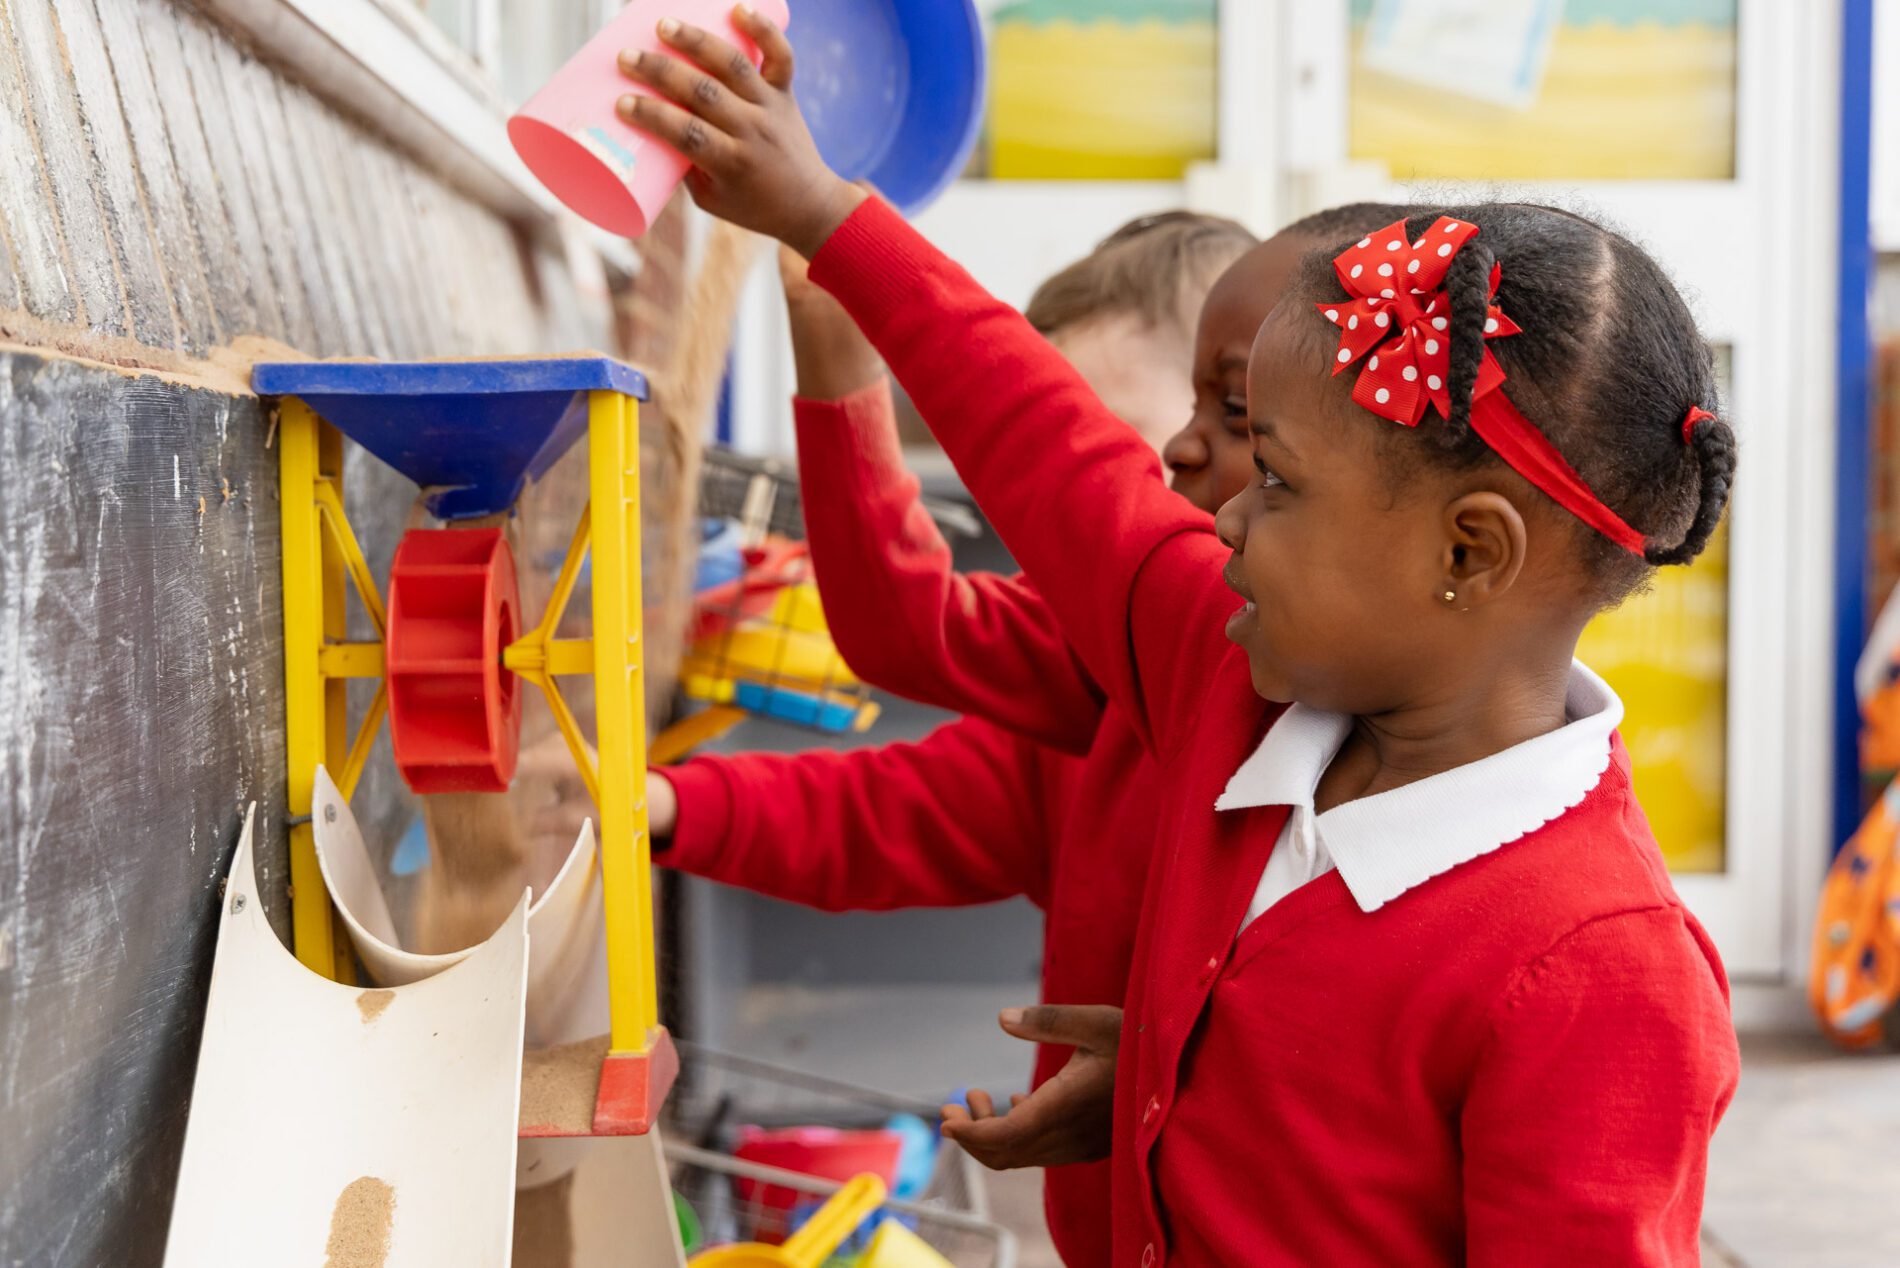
<point x="1390" y="842"/>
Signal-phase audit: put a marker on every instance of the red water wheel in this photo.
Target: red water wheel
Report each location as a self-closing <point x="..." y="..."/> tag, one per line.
<point x="454" y="711"/>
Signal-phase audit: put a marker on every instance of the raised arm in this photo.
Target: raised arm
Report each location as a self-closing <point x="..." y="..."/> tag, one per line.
<point x="1131" y="572"/>
<point x="953" y="820"/>
<point x="978" y="643"/>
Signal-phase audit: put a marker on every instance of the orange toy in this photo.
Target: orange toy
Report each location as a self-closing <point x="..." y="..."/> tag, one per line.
<point x="1855" y="974"/>
<point x="1880" y="731"/>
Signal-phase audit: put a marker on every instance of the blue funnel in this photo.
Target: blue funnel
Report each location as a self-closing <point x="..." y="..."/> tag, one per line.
<point x="471" y="433"/>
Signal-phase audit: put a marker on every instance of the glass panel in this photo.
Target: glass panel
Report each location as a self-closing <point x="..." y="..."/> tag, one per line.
<point x="1100" y="89"/>
<point x="1666" y="654"/>
<point x="537" y="39"/>
<point x="1545" y="89"/>
<point x="456" y="18"/>
<point x="529" y="39"/>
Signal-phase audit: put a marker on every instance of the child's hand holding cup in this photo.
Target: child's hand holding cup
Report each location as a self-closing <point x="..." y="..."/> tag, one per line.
<point x="592" y="157"/>
<point x="754" y="160"/>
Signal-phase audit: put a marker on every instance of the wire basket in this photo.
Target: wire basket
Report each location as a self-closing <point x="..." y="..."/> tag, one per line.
<point x="763" y="493"/>
<point x="725" y="1106"/>
<point x="760" y="645"/>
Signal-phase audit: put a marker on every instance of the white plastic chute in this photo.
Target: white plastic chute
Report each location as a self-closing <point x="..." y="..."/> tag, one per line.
<point x="329" y="1120"/>
<point x="567" y="955"/>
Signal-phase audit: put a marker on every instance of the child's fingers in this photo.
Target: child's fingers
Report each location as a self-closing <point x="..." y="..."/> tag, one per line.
<point x="991" y="1139"/>
<point x="684" y="84"/>
<point x="776" y="69"/>
<point x="687" y="86"/>
<point x="692" y="136"/>
<point x="720" y="60"/>
<point x="981" y="1106"/>
<point x="954" y="1116"/>
<point x="1016" y="1139"/>
<point x="1065" y="1025"/>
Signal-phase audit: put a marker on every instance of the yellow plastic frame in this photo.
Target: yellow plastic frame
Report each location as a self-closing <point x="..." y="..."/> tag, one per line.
<point x="321" y="554"/>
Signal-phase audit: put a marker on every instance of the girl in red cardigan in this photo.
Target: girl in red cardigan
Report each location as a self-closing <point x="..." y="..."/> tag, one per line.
<point x="996" y="804"/>
<point x="1411" y="983"/>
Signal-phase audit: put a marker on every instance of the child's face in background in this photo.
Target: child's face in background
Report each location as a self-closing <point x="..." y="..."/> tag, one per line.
<point x="1211" y="458"/>
<point x="1138" y="369"/>
<point x="1341" y="574"/>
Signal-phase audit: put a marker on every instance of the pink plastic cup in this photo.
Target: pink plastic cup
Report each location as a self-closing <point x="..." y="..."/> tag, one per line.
<point x="573" y="141"/>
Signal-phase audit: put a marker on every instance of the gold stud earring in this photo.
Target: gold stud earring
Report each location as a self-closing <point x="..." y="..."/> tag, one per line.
<point x="1451" y="596"/>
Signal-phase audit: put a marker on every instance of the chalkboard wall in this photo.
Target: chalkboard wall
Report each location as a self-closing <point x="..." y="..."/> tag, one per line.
<point x="141" y="712"/>
<point x="172" y="199"/>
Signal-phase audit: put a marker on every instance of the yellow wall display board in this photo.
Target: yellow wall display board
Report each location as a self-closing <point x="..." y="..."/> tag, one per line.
<point x="1545" y="89"/>
<point x="1102" y="89"/>
<point x="1666" y="654"/>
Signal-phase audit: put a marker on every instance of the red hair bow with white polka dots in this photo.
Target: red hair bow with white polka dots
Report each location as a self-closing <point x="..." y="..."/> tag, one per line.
<point x="1399" y="316"/>
<point x="1399" y="319"/>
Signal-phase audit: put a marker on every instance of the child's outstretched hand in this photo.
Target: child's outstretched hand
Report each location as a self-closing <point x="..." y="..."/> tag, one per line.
<point x="1069" y="1118"/>
<point x="754" y="162"/>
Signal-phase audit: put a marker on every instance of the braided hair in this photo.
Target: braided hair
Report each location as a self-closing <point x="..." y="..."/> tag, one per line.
<point x="1608" y="366"/>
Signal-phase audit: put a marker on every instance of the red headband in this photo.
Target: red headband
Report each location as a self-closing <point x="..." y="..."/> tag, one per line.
<point x="1399" y="314"/>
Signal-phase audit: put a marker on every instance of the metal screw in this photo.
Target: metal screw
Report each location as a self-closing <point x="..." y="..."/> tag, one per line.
<point x="237" y="903"/>
<point x="329" y="814"/>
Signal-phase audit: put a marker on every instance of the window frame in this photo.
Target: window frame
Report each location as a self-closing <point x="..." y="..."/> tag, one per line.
<point x="384" y="60"/>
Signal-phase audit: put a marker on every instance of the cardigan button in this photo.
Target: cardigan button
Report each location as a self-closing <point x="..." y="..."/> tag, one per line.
<point x="1154" y="1107"/>
<point x="1148" y="1255"/>
<point x="1213" y="967"/>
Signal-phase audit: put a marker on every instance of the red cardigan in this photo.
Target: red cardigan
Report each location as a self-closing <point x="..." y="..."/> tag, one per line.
<point x="1519" y="1061"/>
<point x="950" y="821"/>
<point x="978" y="643"/>
<point x="974" y="812"/>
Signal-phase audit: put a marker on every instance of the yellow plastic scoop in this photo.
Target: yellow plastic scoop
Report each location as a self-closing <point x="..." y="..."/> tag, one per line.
<point x="811" y="1245"/>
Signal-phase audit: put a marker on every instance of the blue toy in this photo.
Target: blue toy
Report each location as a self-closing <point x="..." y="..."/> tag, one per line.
<point x="471" y="433"/>
<point x="916" y="1157"/>
<point x="892" y="89"/>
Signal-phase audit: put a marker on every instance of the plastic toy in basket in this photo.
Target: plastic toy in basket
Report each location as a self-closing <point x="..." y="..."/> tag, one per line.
<point x="760" y="644"/>
<point x="894" y="1245"/>
<point x="825" y="1152"/>
<point x="814" y="1244"/>
<point x="946" y="1221"/>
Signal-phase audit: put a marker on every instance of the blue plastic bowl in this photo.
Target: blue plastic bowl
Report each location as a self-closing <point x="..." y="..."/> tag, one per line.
<point x="893" y="90"/>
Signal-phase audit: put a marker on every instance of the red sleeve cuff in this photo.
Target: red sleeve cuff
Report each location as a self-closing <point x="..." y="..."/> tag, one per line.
<point x="868" y="420"/>
<point x="703" y="822"/>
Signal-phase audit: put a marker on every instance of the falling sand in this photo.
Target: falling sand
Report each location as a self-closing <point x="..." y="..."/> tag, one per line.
<point x="359" y="1225"/>
<point x="372" y="1003"/>
<point x="559" y="1087"/>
